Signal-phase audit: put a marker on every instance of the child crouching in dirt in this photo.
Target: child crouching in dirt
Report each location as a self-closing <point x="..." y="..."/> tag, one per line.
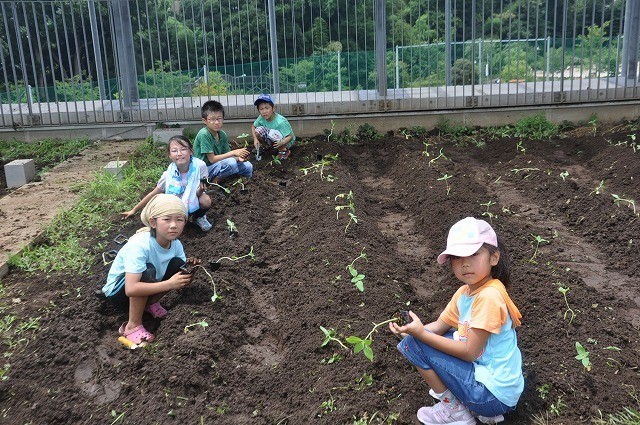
<point x="475" y="371"/>
<point x="182" y="179"/>
<point x="148" y="265"/>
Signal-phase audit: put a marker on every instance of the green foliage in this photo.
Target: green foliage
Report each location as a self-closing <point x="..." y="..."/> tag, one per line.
<point x="368" y="132"/>
<point x="536" y="127"/>
<point x="216" y="85"/>
<point x="45" y="153"/>
<point x="583" y="356"/>
<point x="158" y="82"/>
<point x="462" y="72"/>
<point x="76" y="88"/>
<point x="61" y="247"/>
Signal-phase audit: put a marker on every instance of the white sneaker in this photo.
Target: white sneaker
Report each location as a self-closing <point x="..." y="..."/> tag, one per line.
<point x="203" y="223"/>
<point x="440" y="414"/>
<point x="490" y="419"/>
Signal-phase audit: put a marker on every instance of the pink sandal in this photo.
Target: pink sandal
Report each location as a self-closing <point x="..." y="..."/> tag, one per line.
<point x="156" y="310"/>
<point x="137" y="335"/>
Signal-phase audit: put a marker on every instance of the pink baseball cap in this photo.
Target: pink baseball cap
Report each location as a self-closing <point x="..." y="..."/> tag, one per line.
<point x="466" y="237"/>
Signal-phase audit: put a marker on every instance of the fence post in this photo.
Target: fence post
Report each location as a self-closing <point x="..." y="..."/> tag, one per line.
<point x="125" y="53"/>
<point x="97" y="52"/>
<point x="274" y="46"/>
<point x="447" y="40"/>
<point x="630" y="40"/>
<point x="381" y="46"/>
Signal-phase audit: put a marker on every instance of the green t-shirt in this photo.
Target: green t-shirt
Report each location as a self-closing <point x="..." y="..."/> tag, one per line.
<point x="205" y="143"/>
<point x="279" y="123"/>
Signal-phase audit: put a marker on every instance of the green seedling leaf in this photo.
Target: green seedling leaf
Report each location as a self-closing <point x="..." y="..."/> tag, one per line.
<point x="583" y="356"/>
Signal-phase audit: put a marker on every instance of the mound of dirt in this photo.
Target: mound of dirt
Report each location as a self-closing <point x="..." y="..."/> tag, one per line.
<point x="261" y="360"/>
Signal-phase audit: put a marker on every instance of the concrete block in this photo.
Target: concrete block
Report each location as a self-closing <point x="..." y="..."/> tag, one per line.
<point x="162" y="135"/>
<point x="19" y="172"/>
<point x="115" y="167"/>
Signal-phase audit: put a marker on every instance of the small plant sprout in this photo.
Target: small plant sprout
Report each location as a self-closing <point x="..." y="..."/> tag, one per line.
<point x="593" y="122"/>
<point x="244" y="137"/>
<point x="233" y="230"/>
<point x="440" y="155"/>
<point x="215" y="264"/>
<point x="425" y="152"/>
<point x="319" y="165"/>
<point x="564" y="175"/>
<point x="331" y="335"/>
<point x="526" y="170"/>
<point x="357" y="278"/>
<point x="599" y="189"/>
<point x="569" y="311"/>
<point x="488" y="213"/>
<point x="538" y="240"/>
<point x="617" y="200"/>
<point x="201" y="323"/>
<point x="583" y="356"/>
<point x="275" y="160"/>
<point x="446" y="178"/>
<point x="239" y="182"/>
<point x="364" y="344"/>
<point x="210" y="183"/>
<point x="521" y="147"/>
<point x="351" y="206"/>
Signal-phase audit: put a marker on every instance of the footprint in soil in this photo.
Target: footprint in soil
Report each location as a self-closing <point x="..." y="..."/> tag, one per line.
<point x="102" y="391"/>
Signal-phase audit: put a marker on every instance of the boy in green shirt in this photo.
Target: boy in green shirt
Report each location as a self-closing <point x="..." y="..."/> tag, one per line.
<point x="271" y="129"/>
<point x="211" y="146"/>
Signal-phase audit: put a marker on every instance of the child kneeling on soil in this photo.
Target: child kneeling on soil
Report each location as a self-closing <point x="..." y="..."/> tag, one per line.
<point x="475" y="371"/>
<point x="271" y="129"/>
<point x="149" y="265"/>
<point x="182" y="179"/>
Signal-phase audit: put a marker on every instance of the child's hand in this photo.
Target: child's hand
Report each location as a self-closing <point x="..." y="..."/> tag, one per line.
<point x="193" y="260"/>
<point x="279" y="143"/>
<point x="127" y="214"/>
<point x="242" y="153"/>
<point x="412" y="328"/>
<point x="179" y="280"/>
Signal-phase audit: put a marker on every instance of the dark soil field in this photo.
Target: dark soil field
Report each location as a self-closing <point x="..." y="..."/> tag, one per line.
<point x="260" y="360"/>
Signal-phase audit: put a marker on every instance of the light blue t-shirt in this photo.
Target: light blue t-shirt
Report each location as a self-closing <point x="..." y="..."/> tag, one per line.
<point x="140" y="249"/>
<point x="499" y="367"/>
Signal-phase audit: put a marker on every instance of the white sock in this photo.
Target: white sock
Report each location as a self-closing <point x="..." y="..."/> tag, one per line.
<point x="449" y="400"/>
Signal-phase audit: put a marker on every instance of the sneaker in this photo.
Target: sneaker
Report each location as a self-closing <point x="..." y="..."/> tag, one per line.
<point x="439" y="414"/>
<point x="490" y="419"/>
<point x="203" y="223"/>
<point x="284" y="154"/>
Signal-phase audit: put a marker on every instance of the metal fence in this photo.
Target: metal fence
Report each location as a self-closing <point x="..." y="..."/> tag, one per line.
<point x="97" y="61"/>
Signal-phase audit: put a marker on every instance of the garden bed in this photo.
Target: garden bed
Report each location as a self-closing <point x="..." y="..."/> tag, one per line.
<point x="260" y="360"/>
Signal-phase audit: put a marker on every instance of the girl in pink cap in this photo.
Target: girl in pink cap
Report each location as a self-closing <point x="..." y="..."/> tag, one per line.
<point x="469" y="355"/>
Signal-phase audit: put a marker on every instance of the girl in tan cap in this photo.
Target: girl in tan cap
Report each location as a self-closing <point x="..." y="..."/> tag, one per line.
<point x="149" y="265"/>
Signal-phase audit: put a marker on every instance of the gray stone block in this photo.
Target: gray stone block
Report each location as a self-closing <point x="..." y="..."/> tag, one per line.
<point x="162" y="135"/>
<point x="115" y="167"/>
<point x="19" y="172"/>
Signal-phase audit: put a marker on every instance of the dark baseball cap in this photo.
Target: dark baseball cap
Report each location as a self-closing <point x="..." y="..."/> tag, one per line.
<point x="264" y="98"/>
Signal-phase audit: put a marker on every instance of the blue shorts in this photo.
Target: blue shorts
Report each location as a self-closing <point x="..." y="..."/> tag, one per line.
<point x="458" y="376"/>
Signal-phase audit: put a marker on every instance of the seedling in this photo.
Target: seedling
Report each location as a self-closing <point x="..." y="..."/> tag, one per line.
<point x="205" y="180"/>
<point x="322" y="161"/>
<point x="351" y="206"/>
<point x="440" y="155"/>
<point x="583" y="356"/>
<point x="487" y="213"/>
<point x="564" y="175"/>
<point x="617" y="200"/>
<point x="425" y="152"/>
<point x="446" y="178"/>
<point x="233" y="230"/>
<point x="245" y="139"/>
<point x="538" y="240"/>
<point x="215" y="295"/>
<point x="364" y="345"/>
<point x="543" y="391"/>
<point x="331" y="335"/>
<point x="526" y="170"/>
<point x="275" y="160"/>
<point x="569" y="311"/>
<point x="243" y="190"/>
<point x="215" y="265"/>
<point x="520" y="147"/>
<point x="357" y="278"/>
<point x="599" y="189"/>
<point x="201" y="323"/>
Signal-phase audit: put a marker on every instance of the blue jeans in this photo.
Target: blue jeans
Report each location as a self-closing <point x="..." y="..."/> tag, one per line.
<point x="458" y="376"/>
<point x="228" y="167"/>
